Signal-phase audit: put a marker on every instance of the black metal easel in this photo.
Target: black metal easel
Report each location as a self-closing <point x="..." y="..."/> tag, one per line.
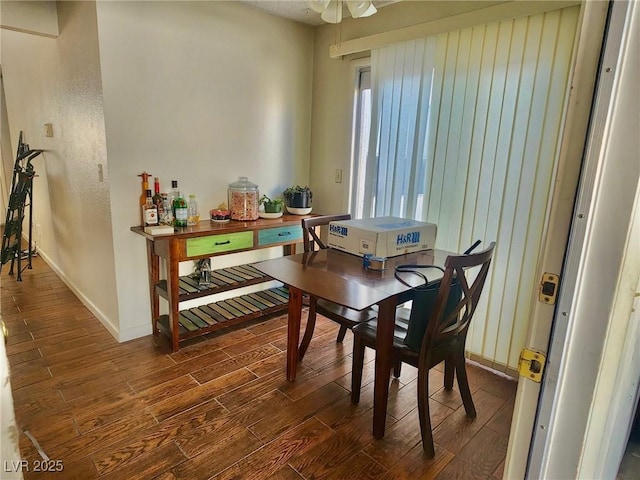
<point x="21" y="197"/>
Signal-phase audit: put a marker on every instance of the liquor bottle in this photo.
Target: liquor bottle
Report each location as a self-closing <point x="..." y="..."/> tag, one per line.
<point x="149" y="211"/>
<point x="166" y="215"/>
<point x="180" y="211"/>
<point x="193" y="217"/>
<point x="157" y="198"/>
<point x="173" y="193"/>
<point x="143" y="196"/>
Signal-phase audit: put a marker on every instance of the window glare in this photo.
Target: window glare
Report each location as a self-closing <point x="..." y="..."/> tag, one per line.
<point x="362" y="129"/>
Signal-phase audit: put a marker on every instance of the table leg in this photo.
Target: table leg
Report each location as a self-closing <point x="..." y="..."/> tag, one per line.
<point x="293" y="336"/>
<point x="384" y="344"/>
<point x="173" y="292"/>
<point x="153" y="263"/>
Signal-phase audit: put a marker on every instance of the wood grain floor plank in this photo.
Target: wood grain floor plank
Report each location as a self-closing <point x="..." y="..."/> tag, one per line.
<point x="326" y="459"/>
<point x="102" y="437"/>
<point x="416" y="465"/>
<point x="48" y="436"/>
<point x="112" y="411"/>
<point x="201" y="394"/>
<point x="501" y="421"/>
<point x="268" y="460"/>
<point x="403" y="436"/>
<point x="485" y="451"/>
<point x="268" y="365"/>
<point x="457" y="429"/>
<point x="286" y="473"/>
<point x="182" y="425"/>
<point x="256" y="341"/>
<point x="137" y="410"/>
<point x="145" y="379"/>
<point x="227" y="451"/>
<point x="283" y="419"/>
<point x="81" y="469"/>
<point x="262" y="407"/>
<point x="211" y="344"/>
<point x="331" y="372"/>
<point x="358" y="467"/>
<point x="236" y="362"/>
<point x="149" y="464"/>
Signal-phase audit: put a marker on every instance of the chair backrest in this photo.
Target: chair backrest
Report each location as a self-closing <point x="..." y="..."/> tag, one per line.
<point x="443" y="314"/>
<point x="311" y="236"/>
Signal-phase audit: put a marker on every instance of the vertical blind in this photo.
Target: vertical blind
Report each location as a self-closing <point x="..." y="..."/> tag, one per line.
<point x="486" y="133"/>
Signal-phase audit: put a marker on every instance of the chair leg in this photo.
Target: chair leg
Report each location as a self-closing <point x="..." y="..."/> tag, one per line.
<point x="397" y="367"/>
<point x="463" y="384"/>
<point x="423" y="412"/>
<point x="449" y="369"/>
<point x="341" y="334"/>
<point x="356" y="368"/>
<point x="308" y="331"/>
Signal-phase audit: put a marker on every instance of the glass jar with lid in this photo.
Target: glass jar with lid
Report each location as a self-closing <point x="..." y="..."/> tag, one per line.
<point x="243" y="200"/>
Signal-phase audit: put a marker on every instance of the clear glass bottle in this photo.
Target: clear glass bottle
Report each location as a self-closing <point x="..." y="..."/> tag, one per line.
<point x="149" y="211"/>
<point x="166" y="217"/>
<point x="193" y="217"/>
<point x="173" y="193"/>
<point x="180" y="211"/>
<point x="243" y="200"/>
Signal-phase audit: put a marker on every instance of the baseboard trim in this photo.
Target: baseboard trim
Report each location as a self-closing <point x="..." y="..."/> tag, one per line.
<point x="113" y="330"/>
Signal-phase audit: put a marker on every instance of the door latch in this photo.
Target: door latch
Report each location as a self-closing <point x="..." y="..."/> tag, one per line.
<point x="548" y="290"/>
<point x="531" y="364"/>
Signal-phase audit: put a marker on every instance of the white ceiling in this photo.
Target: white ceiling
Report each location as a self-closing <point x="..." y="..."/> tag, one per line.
<point x="299" y="10"/>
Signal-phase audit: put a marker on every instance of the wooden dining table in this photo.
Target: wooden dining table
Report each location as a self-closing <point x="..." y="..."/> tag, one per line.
<point x="341" y="278"/>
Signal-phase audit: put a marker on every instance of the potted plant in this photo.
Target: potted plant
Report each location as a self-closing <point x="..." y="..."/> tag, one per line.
<point x="271" y="205"/>
<point x="298" y="197"/>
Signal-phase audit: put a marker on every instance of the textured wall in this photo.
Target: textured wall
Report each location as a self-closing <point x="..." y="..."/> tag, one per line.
<point x="58" y="81"/>
<point x="199" y="92"/>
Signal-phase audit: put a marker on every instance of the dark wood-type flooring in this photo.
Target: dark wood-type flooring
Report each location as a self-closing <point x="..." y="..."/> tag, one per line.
<point x="221" y="407"/>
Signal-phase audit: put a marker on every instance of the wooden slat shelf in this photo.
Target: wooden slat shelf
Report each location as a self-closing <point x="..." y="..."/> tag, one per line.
<point x="210" y="240"/>
<point x="222" y="280"/>
<point x="225" y="313"/>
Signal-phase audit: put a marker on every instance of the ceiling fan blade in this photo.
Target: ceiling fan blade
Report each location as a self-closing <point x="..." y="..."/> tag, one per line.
<point x="333" y="13"/>
<point x="318" y="6"/>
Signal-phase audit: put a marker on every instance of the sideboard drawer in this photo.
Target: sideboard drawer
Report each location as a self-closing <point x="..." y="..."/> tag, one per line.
<point x="279" y="235"/>
<point x="219" y="243"/>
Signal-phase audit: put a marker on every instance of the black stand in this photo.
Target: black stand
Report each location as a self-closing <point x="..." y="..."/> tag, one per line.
<point x="21" y="197"/>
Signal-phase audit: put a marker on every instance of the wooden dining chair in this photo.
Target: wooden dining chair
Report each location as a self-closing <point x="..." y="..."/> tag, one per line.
<point x="346" y="317"/>
<point x="435" y="330"/>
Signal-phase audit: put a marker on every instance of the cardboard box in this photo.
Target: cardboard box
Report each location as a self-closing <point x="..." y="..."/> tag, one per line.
<point x="381" y="237"/>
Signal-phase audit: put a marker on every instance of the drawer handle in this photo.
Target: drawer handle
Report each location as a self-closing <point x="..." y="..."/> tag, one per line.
<point x="223" y="243"/>
<point x="284" y="234"/>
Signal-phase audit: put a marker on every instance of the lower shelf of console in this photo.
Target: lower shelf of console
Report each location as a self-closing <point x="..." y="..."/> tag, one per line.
<point x="225" y="313"/>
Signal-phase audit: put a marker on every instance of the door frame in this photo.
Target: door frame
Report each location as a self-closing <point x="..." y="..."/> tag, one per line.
<point x="590" y="389"/>
<point x="587" y="48"/>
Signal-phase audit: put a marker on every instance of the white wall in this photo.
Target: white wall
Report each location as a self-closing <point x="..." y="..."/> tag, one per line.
<point x="38" y="17"/>
<point x="199" y="92"/>
<point x="57" y="81"/>
<point x="202" y="93"/>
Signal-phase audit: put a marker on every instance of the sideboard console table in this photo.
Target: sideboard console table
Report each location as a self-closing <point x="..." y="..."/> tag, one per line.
<point x="209" y="239"/>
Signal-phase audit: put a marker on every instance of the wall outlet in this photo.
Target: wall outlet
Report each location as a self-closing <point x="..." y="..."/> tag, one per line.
<point x="100" y="173"/>
<point x="338" y="175"/>
<point x="48" y="130"/>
